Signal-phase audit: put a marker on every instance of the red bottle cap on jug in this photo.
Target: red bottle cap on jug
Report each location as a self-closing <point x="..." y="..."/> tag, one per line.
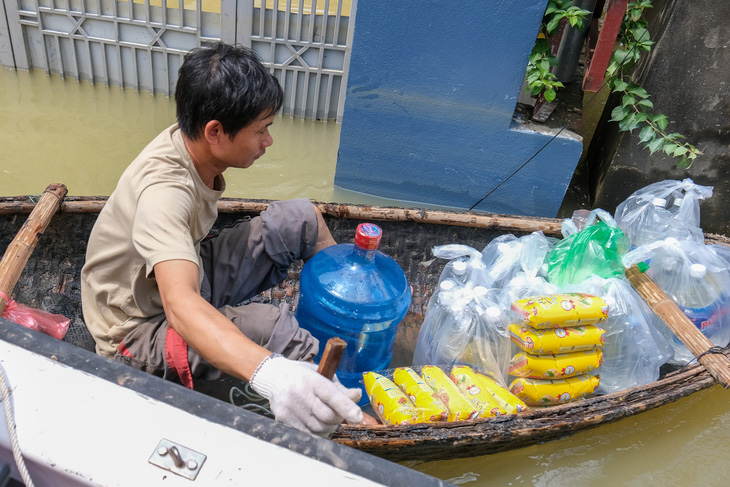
<point x="367" y="236"/>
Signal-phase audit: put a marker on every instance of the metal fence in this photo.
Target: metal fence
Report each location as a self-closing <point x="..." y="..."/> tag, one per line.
<point x="140" y="44"/>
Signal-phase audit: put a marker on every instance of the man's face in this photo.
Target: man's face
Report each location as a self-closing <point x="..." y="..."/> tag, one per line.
<point x="248" y="145"/>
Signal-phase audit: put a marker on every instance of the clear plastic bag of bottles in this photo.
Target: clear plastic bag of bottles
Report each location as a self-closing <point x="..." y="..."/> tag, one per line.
<point x="634" y="349"/>
<point x="663" y="209"/>
<point x="508" y="256"/>
<point x="463" y="322"/>
<point x="697" y="279"/>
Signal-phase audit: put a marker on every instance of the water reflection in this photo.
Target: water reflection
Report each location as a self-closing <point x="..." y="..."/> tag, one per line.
<point x="684" y="443"/>
<point x="83" y="135"/>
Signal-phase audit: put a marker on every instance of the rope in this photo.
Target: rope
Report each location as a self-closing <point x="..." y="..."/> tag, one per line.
<point x="17" y="454"/>
<point x="711" y="350"/>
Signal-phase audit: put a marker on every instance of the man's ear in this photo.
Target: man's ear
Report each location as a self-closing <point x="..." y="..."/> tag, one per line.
<point x="213" y="131"/>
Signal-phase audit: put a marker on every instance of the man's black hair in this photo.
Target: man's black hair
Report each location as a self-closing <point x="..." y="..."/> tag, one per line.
<point x="227" y="83"/>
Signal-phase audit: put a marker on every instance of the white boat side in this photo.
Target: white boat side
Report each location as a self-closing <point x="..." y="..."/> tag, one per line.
<point x="83" y="420"/>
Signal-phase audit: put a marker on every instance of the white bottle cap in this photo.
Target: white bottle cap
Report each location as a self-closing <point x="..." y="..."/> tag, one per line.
<point x="494" y="311"/>
<point x="697" y="271"/>
<point x="459" y="267"/>
<point x="447" y="285"/>
<point x="480" y="291"/>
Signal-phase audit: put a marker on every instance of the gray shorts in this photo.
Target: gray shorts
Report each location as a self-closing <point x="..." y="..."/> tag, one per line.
<point x="239" y="262"/>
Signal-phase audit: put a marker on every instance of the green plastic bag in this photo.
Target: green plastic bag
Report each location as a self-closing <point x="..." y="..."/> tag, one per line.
<point x="595" y="250"/>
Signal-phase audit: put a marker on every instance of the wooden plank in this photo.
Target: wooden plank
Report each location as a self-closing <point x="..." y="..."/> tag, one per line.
<point x="597" y="63"/>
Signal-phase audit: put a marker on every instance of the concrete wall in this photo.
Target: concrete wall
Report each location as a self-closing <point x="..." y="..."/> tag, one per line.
<point x="688" y="77"/>
<point x="429" y="112"/>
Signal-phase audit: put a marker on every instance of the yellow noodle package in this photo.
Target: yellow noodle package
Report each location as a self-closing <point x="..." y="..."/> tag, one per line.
<point x="541" y="392"/>
<point x="459" y="407"/>
<point x="557" y="340"/>
<point x="430" y="408"/>
<point x="555" y="366"/>
<point x="389" y="402"/>
<point x="561" y="310"/>
<point x="509" y="402"/>
<point x="490" y="399"/>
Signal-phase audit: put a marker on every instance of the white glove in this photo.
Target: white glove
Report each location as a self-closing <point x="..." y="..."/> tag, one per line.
<point x="302" y="398"/>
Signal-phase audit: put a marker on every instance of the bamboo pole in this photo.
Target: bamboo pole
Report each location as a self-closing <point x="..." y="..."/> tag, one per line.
<point x="717" y="364"/>
<point x="550" y="226"/>
<point x="19" y="250"/>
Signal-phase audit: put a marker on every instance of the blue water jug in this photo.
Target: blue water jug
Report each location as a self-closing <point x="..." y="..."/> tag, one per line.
<point x="357" y="293"/>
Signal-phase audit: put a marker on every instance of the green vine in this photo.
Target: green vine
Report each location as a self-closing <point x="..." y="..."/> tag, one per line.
<point x="539" y="77"/>
<point x="635" y="109"/>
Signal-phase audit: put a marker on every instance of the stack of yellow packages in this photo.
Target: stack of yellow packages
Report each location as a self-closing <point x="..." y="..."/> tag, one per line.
<point x="560" y="344"/>
<point x="435" y="396"/>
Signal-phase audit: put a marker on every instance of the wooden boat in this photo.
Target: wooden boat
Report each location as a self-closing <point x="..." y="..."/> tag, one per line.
<point x="51" y="281"/>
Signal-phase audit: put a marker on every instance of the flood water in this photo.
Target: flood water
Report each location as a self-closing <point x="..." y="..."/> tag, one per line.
<point x="54" y="130"/>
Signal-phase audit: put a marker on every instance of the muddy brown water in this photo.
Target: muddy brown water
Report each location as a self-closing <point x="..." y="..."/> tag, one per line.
<point x="83" y="135"/>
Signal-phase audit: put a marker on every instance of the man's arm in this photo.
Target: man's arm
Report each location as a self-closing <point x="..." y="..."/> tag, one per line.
<point x="202" y="326"/>
<point x="299" y="396"/>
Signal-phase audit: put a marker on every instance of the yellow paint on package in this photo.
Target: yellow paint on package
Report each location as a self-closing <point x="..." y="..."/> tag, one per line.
<point x="557" y="340"/>
<point x="483" y="397"/>
<point x="389" y="402"/>
<point x="430" y="408"/>
<point x="561" y="310"/>
<point x="555" y="366"/>
<point x="459" y="407"/>
<point x="541" y="392"/>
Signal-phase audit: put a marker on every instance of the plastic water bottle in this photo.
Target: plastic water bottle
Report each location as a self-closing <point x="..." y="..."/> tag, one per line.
<point x="357" y="293"/>
<point x="702" y="304"/>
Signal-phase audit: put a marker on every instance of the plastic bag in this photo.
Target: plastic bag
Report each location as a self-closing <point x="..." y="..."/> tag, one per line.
<point x="596" y="249"/>
<point x="464" y="325"/>
<point x="465" y="265"/>
<point x="663" y="209"/>
<point x="35" y="319"/>
<point x="634" y="349"/>
<point x="697" y="279"/>
<point x="507" y="256"/>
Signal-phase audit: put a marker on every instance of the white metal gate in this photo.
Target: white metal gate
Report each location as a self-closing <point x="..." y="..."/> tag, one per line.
<point x="140" y="44"/>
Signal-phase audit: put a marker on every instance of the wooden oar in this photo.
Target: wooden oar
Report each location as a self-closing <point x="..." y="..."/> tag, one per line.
<point x="19" y="250"/>
<point x="717" y="364"/>
<point x="331" y="357"/>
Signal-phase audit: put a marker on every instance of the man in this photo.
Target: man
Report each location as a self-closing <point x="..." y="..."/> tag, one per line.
<point x="161" y="295"/>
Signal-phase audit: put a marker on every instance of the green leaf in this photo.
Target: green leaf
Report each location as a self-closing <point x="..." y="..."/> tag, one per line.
<point x="661" y="121"/>
<point x="669" y="147"/>
<point x="683" y="162"/>
<point x="680" y="151"/>
<point x="646" y="134"/>
<point x="637" y="90"/>
<point x="620" y="85"/>
<point x="620" y="56"/>
<point x="618" y="114"/>
<point x="640" y="34"/>
<point x="553" y="24"/>
<point x="645" y="103"/>
<point x="550" y="95"/>
<point x="627" y="100"/>
<point x="655" y="145"/>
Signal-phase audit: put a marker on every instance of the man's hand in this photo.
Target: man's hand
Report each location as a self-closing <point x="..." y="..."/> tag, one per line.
<point x="303" y="399"/>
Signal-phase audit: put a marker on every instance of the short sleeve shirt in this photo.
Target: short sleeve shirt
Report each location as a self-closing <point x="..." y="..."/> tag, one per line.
<point x="159" y="211"/>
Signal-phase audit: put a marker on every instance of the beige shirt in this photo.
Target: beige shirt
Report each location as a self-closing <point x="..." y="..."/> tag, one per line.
<point x="160" y="210"/>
